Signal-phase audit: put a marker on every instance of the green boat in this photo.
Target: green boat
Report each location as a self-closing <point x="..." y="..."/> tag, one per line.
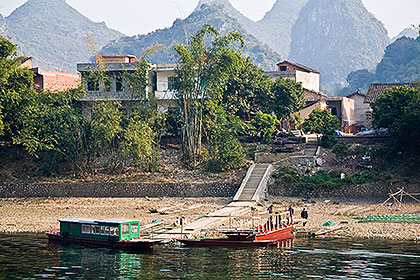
<point x="112" y="233"/>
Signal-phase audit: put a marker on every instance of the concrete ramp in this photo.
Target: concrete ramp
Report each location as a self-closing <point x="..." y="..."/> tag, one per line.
<point x="254" y="186"/>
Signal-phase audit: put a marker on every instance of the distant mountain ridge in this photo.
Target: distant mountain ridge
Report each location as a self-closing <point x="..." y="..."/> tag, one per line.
<point x="54" y="33"/>
<point x="274" y="29"/>
<point x="408" y="32"/>
<point x="276" y="26"/>
<point x="3" y="26"/>
<point x="206" y="13"/>
<point x="337" y="37"/>
<point x="400" y="64"/>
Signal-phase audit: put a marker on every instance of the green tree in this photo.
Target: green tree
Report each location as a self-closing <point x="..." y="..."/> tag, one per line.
<point x="56" y="126"/>
<point x="287" y="97"/>
<point x="265" y="126"/>
<point x="399" y="110"/>
<point x="247" y="89"/>
<point x="322" y="122"/>
<point x="16" y="90"/>
<point x="139" y="142"/>
<point x="204" y="65"/>
<point x="106" y="132"/>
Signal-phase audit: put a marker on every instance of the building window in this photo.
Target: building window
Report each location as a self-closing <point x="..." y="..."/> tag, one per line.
<point x="134" y="228"/>
<point x="92" y="84"/>
<point x="119" y="83"/>
<point x="333" y="111"/>
<point x="125" y="229"/>
<point x="283" y="68"/>
<point x="85" y="228"/>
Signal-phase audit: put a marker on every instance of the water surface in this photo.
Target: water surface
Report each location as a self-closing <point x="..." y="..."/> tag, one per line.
<point x="29" y="256"/>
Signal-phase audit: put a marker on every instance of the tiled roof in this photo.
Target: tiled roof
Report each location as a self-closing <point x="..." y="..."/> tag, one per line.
<point x="356" y="93"/>
<point x="300" y="66"/>
<point x="375" y="90"/>
<point x="311" y="94"/>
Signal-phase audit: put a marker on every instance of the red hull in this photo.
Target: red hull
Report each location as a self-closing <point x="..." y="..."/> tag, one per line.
<point x="135" y="244"/>
<point x="277" y="234"/>
<point x="261" y="240"/>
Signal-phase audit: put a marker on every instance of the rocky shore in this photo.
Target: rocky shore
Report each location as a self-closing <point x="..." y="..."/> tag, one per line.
<point x="41" y="214"/>
<point x="323" y="211"/>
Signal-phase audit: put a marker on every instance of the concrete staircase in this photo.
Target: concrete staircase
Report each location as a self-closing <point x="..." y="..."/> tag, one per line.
<point x="311" y="146"/>
<point x="253" y="187"/>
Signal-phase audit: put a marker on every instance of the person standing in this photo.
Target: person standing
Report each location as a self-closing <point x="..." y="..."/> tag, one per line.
<point x="291" y="212"/>
<point x="304" y="215"/>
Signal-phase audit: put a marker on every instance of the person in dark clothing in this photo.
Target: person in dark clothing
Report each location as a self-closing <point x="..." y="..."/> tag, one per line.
<point x="304" y="215"/>
<point x="270" y="209"/>
<point x="291" y="212"/>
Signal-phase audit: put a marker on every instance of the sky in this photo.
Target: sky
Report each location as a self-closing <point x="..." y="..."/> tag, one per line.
<point x="133" y="17"/>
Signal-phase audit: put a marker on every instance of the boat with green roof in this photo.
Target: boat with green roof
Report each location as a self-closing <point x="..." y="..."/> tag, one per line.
<point x="112" y="233"/>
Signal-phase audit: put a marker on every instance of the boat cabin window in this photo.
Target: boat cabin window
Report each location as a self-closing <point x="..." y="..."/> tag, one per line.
<point x="102" y="230"/>
<point x="135" y="228"/>
<point x="114" y="230"/>
<point x="107" y="230"/>
<point x="85" y="228"/>
<point x="125" y="229"/>
<point x="97" y="230"/>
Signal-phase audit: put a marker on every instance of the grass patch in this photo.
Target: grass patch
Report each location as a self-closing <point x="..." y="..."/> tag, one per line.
<point x="302" y="183"/>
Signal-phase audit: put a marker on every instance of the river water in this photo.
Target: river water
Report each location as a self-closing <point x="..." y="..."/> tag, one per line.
<point x="29" y="256"/>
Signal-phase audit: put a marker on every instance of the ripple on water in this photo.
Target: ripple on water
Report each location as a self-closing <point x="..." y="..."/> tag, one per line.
<point x="30" y="257"/>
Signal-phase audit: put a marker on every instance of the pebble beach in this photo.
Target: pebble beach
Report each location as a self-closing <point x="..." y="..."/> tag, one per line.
<point x="38" y="215"/>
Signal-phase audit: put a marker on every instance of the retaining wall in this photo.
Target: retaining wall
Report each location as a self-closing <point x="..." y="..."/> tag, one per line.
<point x="110" y="189"/>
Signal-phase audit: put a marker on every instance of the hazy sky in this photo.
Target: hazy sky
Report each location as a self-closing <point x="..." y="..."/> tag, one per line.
<point x="143" y="16"/>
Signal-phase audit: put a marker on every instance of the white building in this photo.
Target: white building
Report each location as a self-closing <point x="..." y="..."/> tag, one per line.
<point x="308" y="77"/>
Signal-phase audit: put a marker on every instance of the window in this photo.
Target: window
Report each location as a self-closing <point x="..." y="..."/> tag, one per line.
<point x="85" y="228"/>
<point x="107" y="230"/>
<point x="117" y="231"/>
<point x="114" y="231"/>
<point x="333" y="111"/>
<point x="119" y="83"/>
<point x="125" y="229"/>
<point x="283" y="68"/>
<point x="92" y="84"/>
<point x="135" y="228"/>
<point x="96" y="229"/>
<point x="102" y="230"/>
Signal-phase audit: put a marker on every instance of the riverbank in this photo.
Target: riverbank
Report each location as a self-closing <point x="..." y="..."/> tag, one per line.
<point x="41" y="214"/>
<point x="322" y="211"/>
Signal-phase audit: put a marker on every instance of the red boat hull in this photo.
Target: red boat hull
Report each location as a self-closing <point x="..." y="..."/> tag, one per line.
<point x="225" y="243"/>
<point x="277" y="234"/>
<point x="132" y="245"/>
<point x="263" y="239"/>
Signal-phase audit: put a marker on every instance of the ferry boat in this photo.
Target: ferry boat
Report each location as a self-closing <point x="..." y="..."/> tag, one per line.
<point x="112" y="233"/>
<point x="277" y="228"/>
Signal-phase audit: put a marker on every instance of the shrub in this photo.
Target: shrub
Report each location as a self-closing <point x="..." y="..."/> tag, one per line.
<point x="265" y="126"/>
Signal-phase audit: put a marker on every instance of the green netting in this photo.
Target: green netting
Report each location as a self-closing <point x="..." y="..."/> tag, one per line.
<point x="401" y="218"/>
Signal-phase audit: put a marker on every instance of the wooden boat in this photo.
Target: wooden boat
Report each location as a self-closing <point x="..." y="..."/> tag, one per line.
<point x="272" y="232"/>
<point x="113" y="233"/>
